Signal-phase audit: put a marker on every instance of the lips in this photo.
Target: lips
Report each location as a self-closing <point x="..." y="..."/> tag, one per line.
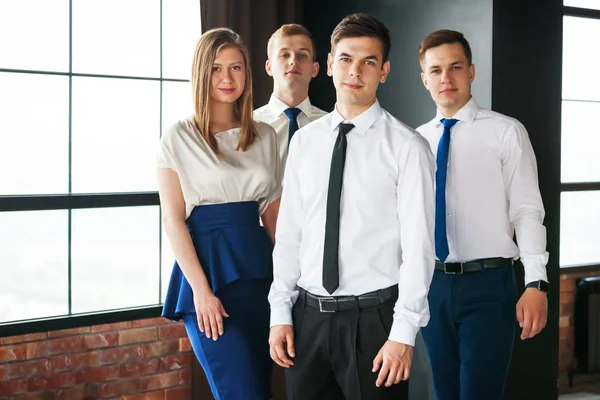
<point x="447" y="91"/>
<point x="293" y="71"/>
<point x="227" y="90"/>
<point x="352" y="86"/>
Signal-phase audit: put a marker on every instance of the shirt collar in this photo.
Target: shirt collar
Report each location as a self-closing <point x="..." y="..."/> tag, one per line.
<point x="361" y="122"/>
<point x="467" y="113"/>
<point x="277" y="107"/>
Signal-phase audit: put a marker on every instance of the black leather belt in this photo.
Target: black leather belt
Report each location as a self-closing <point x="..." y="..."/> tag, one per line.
<point x="473" y="266"/>
<point x="348" y="303"/>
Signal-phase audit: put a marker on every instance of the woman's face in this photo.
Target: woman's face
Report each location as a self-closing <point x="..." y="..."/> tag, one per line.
<point x="228" y="77"/>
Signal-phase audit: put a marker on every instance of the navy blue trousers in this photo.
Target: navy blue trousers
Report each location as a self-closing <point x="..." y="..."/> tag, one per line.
<point x="237" y="365"/>
<point x="470" y="335"/>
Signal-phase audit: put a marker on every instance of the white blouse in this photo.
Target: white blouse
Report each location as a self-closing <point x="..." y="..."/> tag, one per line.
<point x="230" y="176"/>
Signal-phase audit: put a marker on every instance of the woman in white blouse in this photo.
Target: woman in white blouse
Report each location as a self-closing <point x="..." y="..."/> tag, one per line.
<point x="218" y="172"/>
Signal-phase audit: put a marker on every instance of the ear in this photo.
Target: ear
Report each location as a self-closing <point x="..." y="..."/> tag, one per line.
<point x="471" y="73"/>
<point x="268" y="67"/>
<point x="329" y="64"/>
<point x="424" y="80"/>
<point x="315" y="69"/>
<point x="385" y="70"/>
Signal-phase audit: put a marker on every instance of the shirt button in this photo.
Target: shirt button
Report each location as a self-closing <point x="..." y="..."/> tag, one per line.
<point x="449" y="215"/>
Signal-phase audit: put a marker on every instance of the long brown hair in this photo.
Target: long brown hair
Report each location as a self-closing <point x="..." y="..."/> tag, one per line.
<point x="209" y="45"/>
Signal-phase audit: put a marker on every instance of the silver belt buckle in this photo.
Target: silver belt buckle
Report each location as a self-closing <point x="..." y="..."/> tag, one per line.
<point x="321" y="304"/>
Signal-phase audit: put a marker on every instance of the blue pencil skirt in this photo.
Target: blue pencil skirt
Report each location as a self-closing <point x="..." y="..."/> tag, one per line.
<point x="236" y="255"/>
<point x="237" y="365"/>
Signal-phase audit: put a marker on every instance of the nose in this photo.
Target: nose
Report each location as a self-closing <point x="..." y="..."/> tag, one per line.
<point x="293" y="59"/>
<point x="227" y="75"/>
<point x="355" y="69"/>
<point x="445" y="76"/>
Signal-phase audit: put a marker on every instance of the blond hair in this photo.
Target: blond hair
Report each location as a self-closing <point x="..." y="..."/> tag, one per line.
<point x="209" y="45"/>
<point x="288" y="30"/>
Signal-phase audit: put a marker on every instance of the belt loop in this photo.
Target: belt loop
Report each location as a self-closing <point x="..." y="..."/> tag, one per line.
<point x="303" y="297"/>
<point x="357" y="303"/>
<point x="381" y="299"/>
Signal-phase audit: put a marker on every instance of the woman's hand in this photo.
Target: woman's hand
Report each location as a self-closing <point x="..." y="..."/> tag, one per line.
<point x="210" y="314"/>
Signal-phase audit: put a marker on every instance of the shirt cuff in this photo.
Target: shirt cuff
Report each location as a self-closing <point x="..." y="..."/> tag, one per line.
<point x="535" y="267"/>
<point x="281" y="315"/>
<point x="403" y="332"/>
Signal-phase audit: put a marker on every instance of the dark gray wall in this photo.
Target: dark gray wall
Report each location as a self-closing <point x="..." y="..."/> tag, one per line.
<point x="409" y="22"/>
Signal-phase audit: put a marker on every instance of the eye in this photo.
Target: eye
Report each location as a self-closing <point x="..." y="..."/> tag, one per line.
<point x="368" y="62"/>
<point x="345" y="59"/>
<point x="436" y="71"/>
<point x="303" y="55"/>
<point x="284" y="55"/>
<point x="216" y="69"/>
<point x="236" y="68"/>
<point x="457" y="67"/>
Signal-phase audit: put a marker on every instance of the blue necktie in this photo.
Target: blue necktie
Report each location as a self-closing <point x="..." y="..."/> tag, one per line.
<point x="292" y="114"/>
<point x="441" y="239"/>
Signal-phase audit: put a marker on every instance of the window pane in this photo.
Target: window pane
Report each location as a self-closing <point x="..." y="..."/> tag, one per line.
<point x="33" y="264"/>
<point x="593" y="4"/>
<point x="34" y="134"/>
<point x="116" y="37"/>
<point x="177" y="102"/>
<point x="580" y="142"/>
<point x="181" y="31"/>
<point x="577" y="56"/>
<point x="34" y="35"/>
<point x="114" y="258"/>
<point x="115" y="131"/>
<point x="579" y="228"/>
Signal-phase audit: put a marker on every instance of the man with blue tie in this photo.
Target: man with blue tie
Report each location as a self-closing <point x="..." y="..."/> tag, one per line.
<point x="291" y="62"/>
<point x="486" y="192"/>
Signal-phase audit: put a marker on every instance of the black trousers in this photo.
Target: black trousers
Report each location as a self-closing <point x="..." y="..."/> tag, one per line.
<point x="335" y="353"/>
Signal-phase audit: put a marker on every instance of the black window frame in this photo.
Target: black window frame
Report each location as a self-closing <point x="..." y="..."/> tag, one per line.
<point x="74" y="201"/>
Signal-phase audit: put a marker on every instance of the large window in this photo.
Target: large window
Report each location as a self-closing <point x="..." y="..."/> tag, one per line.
<point x="580" y="139"/>
<point x="86" y="88"/>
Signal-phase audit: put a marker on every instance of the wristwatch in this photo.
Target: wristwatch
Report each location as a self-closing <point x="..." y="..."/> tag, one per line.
<point x="542" y="286"/>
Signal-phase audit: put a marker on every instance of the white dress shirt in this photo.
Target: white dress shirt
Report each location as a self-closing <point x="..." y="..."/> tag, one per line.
<point x="386" y="217"/>
<point x="231" y="176"/>
<point x="491" y="190"/>
<point x="273" y="114"/>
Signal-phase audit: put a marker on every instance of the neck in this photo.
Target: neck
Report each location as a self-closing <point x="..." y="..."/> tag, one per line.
<point x="350" y="111"/>
<point x="222" y="117"/>
<point x="449" y="112"/>
<point x="291" y="97"/>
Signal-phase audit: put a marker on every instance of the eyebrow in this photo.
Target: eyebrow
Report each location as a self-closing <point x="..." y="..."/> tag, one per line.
<point x="233" y="63"/>
<point x="372" y="57"/>
<point x="452" y="64"/>
<point x="288" y="49"/>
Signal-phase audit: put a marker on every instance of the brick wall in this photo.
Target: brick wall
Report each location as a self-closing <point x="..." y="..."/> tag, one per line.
<point x="146" y="359"/>
<point x="568" y="289"/>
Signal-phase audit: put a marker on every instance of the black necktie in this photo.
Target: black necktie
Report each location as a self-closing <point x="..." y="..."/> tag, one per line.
<point x="331" y="275"/>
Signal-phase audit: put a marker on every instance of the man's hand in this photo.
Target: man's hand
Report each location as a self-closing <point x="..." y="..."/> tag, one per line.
<point x="281" y="338"/>
<point x="394" y="358"/>
<point x="532" y="312"/>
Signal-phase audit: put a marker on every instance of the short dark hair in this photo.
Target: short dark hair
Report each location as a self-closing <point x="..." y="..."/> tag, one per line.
<point x="445" y="36"/>
<point x="360" y="25"/>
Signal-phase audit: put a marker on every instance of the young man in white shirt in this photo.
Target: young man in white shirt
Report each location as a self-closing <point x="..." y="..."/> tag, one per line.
<point x="486" y="191"/>
<point x="292" y="64"/>
<point x="354" y="245"/>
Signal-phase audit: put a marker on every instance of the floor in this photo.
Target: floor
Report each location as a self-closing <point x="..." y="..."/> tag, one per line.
<point x="586" y="387"/>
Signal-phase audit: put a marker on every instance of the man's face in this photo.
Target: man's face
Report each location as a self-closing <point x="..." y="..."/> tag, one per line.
<point x="291" y="62"/>
<point x="448" y="76"/>
<point x="357" y="69"/>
